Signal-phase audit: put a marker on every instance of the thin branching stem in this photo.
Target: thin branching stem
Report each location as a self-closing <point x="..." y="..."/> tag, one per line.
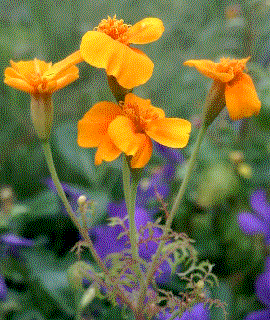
<point x="130" y="191"/>
<point x="176" y="204"/>
<point x="84" y="232"/>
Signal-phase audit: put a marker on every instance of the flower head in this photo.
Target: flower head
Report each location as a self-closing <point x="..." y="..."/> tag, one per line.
<point x="108" y="47"/>
<point x="38" y="77"/>
<point x="3" y="289"/>
<point x="40" y="80"/>
<point x="240" y="93"/>
<point x="198" y="312"/>
<point x="128" y="128"/>
<point x="262" y="287"/>
<point x="259" y="221"/>
<point x="99" y="235"/>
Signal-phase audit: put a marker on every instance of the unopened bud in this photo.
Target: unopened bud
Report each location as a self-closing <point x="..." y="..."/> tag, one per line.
<point x="200" y="284"/>
<point x="236" y="156"/>
<point x="215" y="102"/>
<point x="76" y="273"/>
<point x="7" y="200"/>
<point x="82" y="200"/>
<point x="88" y="297"/>
<point x="245" y="170"/>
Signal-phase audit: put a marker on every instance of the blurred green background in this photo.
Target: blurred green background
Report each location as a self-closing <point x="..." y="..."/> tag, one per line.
<point x="220" y="188"/>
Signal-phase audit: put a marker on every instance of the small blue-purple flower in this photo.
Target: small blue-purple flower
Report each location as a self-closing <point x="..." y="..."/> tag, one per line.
<point x="173" y="156"/>
<point x="3" y="289"/>
<point x="106" y="240"/>
<point x="257" y="222"/>
<point x="262" y="288"/>
<point x="13" y="243"/>
<point x="198" y="312"/>
<point x="12" y="240"/>
<point x="148" y="188"/>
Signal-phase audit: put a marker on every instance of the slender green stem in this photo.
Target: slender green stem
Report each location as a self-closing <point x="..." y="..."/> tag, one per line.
<point x="130" y="191"/>
<point x="62" y="195"/>
<point x="176" y="204"/>
<point x="126" y="181"/>
<point x="83" y="231"/>
<point x="79" y="308"/>
<point x="186" y="179"/>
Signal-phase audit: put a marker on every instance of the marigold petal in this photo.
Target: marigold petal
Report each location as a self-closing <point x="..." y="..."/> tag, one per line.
<point x="170" y="132"/>
<point x="241" y="97"/>
<point x="90" y="134"/>
<point x="123" y="133"/>
<point x="143" y="155"/>
<point x="65" y="66"/>
<point x="132" y="99"/>
<point x="93" y="126"/>
<point x="12" y="73"/>
<point x="145" y="31"/>
<point x="107" y="151"/>
<point x="209" y="69"/>
<point x="129" y="66"/>
<point x="41" y="66"/>
<point x="26" y="68"/>
<point x="66" y="80"/>
<point x="19" y="84"/>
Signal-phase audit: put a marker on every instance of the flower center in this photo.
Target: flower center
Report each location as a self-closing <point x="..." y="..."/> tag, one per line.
<point x="140" y="115"/>
<point x="114" y="28"/>
<point x="227" y="64"/>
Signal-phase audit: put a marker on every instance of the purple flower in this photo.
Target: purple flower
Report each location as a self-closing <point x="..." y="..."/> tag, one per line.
<point x="262" y="287"/>
<point x="148" y="187"/>
<point x="3" y="289"/>
<point x="198" y="312"/>
<point x="259" y="221"/>
<point x="15" y="241"/>
<point x="12" y="243"/>
<point x="106" y="242"/>
<point x="173" y="156"/>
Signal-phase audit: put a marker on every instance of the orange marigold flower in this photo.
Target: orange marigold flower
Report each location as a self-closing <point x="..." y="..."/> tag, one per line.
<point x="38" y="77"/>
<point x="127" y="128"/>
<point x="40" y="80"/>
<point x="108" y="47"/>
<point x="240" y="94"/>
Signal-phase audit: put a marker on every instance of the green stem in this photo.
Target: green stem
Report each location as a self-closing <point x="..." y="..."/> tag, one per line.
<point x="176" y="204"/>
<point x="187" y="177"/>
<point x="62" y="195"/>
<point x="126" y="181"/>
<point x="130" y="191"/>
<point x="79" y="308"/>
<point x="83" y="231"/>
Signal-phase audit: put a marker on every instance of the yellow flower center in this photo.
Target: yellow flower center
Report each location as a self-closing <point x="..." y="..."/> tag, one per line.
<point x="36" y="78"/>
<point x="236" y="66"/>
<point x="114" y="28"/>
<point x="140" y="115"/>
